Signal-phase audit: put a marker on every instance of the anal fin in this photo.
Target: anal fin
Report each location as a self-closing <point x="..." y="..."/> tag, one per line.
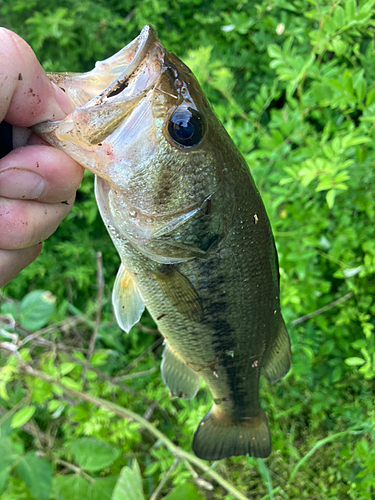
<point x="279" y="360"/>
<point x="181" y="380"/>
<point x="126" y="299"/>
<point x="219" y="437"/>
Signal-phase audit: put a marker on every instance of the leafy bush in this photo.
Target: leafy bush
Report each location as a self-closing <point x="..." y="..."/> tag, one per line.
<point x="294" y="84"/>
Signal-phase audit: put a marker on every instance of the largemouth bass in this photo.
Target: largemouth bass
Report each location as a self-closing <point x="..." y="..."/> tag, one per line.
<point x="194" y="239"/>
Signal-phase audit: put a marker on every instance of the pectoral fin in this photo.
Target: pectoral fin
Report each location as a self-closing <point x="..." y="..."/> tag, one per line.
<point x="181" y="380"/>
<point x="278" y="362"/>
<point x="180" y="292"/>
<point x="127" y="301"/>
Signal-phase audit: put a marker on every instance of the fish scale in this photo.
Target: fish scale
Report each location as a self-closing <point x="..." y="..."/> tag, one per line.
<point x="190" y="227"/>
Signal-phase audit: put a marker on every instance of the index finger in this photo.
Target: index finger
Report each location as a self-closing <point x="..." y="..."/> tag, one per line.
<point x="27" y="95"/>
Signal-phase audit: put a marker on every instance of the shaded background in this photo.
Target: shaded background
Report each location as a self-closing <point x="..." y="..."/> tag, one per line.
<point x="294" y="84"/>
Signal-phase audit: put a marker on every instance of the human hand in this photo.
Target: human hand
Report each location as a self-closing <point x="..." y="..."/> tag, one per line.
<point x="37" y="182"/>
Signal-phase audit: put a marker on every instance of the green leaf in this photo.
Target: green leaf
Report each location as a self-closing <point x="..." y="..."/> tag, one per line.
<point x="355" y="141"/>
<point x="185" y="491"/>
<point x="70" y="488"/>
<point x="22" y="416"/>
<point x="330" y="197"/>
<point x="8" y="455"/>
<point x="6" y="425"/>
<point x="99" y="358"/>
<point x="37" y="475"/>
<point x="36" y="309"/>
<point x="76" y="385"/>
<point x="4" y="475"/>
<point x="370" y="98"/>
<point x="274" y="51"/>
<point x="94" y="455"/>
<point x="265" y="475"/>
<point x="129" y="484"/>
<point x="361" y="90"/>
<point x="336" y="374"/>
<point x="359" y="344"/>
<point x="102" y="489"/>
<point x="354" y="361"/>
<point x="66" y="368"/>
<point x="338" y="46"/>
<point x="350" y="10"/>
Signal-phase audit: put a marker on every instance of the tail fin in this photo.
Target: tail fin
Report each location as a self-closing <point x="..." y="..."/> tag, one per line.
<point x="218" y="437"/>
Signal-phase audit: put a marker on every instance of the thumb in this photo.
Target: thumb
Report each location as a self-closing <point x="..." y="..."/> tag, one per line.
<point x="27" y="96"/>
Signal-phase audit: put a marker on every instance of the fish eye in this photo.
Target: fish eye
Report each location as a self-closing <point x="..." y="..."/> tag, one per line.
<point x="186" y="127"/>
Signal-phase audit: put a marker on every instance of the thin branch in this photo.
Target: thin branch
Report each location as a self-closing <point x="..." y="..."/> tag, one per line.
<point x="9" y="413"/>
<point x="164" y="480"/>
<point x="62" y="347"/>
<point x="147" y="329"/>
<point x="35" y="337"/>
<point x="86" y="366"/>
<point x="128" y="414"/>
<point x="322" y="309"/>
<point x="150" y="410"/>
<point x="103" y="376"/>
<point x="8" y="320"/>
<point x="130" y="16"/>
<point x="30" y="427"/>
<point x="99" y="306"/>
<point x="66" y="323"/>
<point x="143" y="355"/>
<point x="99" y="300"/>
<point x="74" y="468"/>
<point x="197" y="478"/>
<point x="136" y="375"/>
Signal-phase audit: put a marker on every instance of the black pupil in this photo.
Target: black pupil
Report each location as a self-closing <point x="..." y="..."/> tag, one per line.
<point x="183" y="129"/>
<point x="186" y="127"/>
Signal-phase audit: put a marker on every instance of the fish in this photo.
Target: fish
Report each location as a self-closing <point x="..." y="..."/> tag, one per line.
<point x="188" y="222"/>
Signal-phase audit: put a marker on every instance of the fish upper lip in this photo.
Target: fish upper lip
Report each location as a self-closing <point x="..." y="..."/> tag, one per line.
<point x="145" y="46"/>
<point x="144" y="42"/>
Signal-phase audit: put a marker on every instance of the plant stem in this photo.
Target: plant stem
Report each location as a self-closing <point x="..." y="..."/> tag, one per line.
<point x="318" y="445"/>
<point x="322" y="309"/>
<point x="164" y="480"/>
<point x="197" y="478"/>
<point x="99" y="305"/>
<point x="75" y="469"/>
<point x="99" y="300"/>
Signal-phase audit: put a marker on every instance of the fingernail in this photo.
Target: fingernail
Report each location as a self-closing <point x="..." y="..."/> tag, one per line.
<point x="62" y="99"/>
<point x="20" y="183"/>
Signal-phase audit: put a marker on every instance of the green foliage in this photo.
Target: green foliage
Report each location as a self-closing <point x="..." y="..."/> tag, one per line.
<point x="34" y="310"/>
<point x="22" y="416"/>
<point x="36" y="473"/>
<point x="94" y="455"/>
<point x="129" y="484"/>
<point x="186" y="491"/>
<point x="294" y="84"/>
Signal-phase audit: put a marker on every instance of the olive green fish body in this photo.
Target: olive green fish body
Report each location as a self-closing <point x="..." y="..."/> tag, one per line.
<point x="194" y="239"/>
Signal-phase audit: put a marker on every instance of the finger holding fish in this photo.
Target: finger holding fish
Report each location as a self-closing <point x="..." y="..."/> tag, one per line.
<point x="28" y="174"/>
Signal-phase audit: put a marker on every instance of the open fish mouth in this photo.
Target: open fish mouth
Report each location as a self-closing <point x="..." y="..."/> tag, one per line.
<point x="105" y="96"/>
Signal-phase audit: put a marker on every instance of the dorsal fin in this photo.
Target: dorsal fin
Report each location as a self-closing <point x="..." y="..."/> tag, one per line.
<point x="126" y="299"/>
